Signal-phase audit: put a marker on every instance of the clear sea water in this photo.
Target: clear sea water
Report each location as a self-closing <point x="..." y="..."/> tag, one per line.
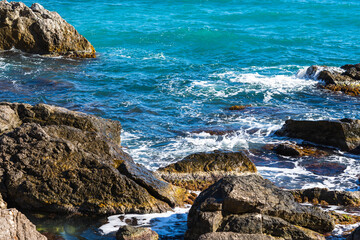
<point x="168" y="71"/>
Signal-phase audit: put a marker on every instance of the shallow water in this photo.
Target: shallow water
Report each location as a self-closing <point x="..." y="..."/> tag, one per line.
<point x="169" y="70"/>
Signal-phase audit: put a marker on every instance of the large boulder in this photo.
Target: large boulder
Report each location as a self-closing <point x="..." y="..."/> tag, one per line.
<point x="37" y="30"/>
<point x="200" y="170"/>
<point x="235" y="236"/>
<point x="252" y="205"/>
<point x="14" y="225"/>
<point x="343" y="134"/>
<point x="345" y="79"/>
<point x="63" y="161"/>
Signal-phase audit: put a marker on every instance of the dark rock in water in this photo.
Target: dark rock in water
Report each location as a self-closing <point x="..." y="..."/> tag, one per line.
<point x="136" y="233"/>
<point x="63" y="161"/>
<point x="319" y="195"/>
<point x="343" y="134"/>
<point x="235" y="236"/>
<point x="355" y="235"/>
<point x="37" y="30"/>
<point x="325" y="168"/>
<point x="14" y="225"/>
<point x="294" y="150"/>
<point x="345" y="79"/>
<point x="199" y="170"/>
<point x="252" y="205"/>
<point x="238" y="107"/>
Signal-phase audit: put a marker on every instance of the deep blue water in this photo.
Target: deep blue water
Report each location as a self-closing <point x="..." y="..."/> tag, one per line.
<point x="169" y="70"/>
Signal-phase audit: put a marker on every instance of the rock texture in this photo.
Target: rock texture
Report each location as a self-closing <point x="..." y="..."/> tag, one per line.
<point x="294" y="150"/>
<point x="14" y="225"/>
<point x="3" y="204"/>
<point x="253" y="205"/>
<point x="235" y="236"/>
<point x="136" y="233"/>
<point x="345" y="79"/>
<point x="200" y="170"/>
<point x="37" y="30"/>
<point x="62" y="161"/>
<point x="325" y="196"/>
<point x="355" y="235"/>
<point x="343" y="134"/>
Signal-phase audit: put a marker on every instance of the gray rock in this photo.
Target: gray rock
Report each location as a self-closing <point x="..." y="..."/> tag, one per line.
<point x="251" y="204"/>
<point x="14" y="225"/>
<point x="136" y="233"/>
<point x="37" y="30"/>
<point x="343" y="134"/>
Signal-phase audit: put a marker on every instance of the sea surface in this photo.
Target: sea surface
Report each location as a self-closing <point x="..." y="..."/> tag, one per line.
<point x="169" y="71"/>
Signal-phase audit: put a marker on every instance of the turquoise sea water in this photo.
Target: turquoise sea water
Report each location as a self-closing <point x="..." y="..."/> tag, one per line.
<point x="168" y="70"/>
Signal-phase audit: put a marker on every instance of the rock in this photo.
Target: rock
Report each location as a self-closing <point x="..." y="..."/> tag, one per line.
<point x="234" y="236"/>
<point x="63" y="161"/>
<point x="294" y="150"/>
<point x="3" y="204"/>
<point x="345" y="79"/>
<point x="343" y="134"/>
<point x="344" y="219"/>
<point x="238" y="107"/>
<point x="136" y="233"/>
<point x="199" y="170"/>
<point x="332" y="197"/>
<point x="252" y="205"/>
<point x="37" y="30"/>
<point x="14" y="225"/>
<point x="355" y="235"/>
<point x="324" y="168"/>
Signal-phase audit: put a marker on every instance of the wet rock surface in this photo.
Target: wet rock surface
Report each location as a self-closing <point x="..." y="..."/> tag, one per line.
<point x="294" y="150"/>
<point x="37" y="30"/>
<point x="332" y="197"/>
<point x="343" y="134"/>
<point x="63" y="161"/>
<point x="136" y="233"/>
<point x="345" y="79"/>
<point x="235" y="236"/>
<point x="252" y="205"/>
<point x="200" y="170"/>
<point x="14" y="225"/>
<point x="355" y="235"/>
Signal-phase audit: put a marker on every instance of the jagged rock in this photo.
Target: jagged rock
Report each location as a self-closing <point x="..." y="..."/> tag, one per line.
<point x="294" y="150"/>
<point x="332" y="197"/>
<point x="343" y="134"/>
<point x="199" y="170"/>
<point x="345" y="79"/>
<point x="235" y="236"/>
<point x="63" y="161"/>
<point x="37" y="30"/>
<point x="14" y="225"/>
<point x="136" y="233"/>
<point x="250" y="204"/>
<point x="3" y="204"/>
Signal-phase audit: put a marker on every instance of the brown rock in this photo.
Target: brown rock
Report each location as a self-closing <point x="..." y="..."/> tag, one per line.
<point x="136" y="233"/>
<point x="63" y="161"/>
<point x="200" y="170"/>
<point x="343" y="134"/>
<point x="37" y="30"/>
<point x="294" y="150"/>
<point x="250" y="204"/>
<point x="14" y="225"/>
<point x="235" y="236"/>
<point x="238" y="107"/>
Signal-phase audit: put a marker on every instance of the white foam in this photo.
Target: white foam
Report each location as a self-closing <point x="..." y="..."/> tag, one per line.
<point x="162" y="219"/>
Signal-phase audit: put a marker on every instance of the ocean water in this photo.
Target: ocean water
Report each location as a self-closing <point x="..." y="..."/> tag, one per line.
<point x="168" y="71"/>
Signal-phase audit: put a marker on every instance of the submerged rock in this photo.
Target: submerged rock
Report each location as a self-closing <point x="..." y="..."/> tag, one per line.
<point x="200" y="170"/>
<point x="345" y="79"/>
<point x="136" y="233"/>
<point x="37" y="30"/>
<point x="343" y="134"/>
<point x="14" y="225"/>
<point x="294" y="150"/>
<point x="63" y="161"/>
<point x="253" y="205"/>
